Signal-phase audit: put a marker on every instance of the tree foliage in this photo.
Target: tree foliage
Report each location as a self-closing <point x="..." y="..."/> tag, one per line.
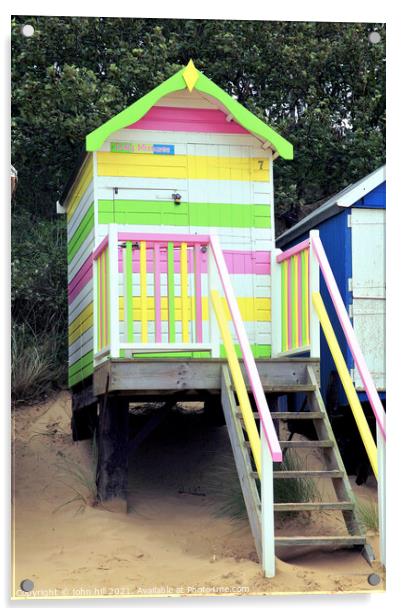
<point x="321" y="85"/>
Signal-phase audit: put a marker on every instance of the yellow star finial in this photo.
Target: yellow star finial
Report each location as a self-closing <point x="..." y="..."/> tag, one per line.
<point x="190" y="75"/>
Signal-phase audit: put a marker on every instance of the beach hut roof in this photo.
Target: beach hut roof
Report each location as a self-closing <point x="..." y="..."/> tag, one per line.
<point x="191" y="78"/>
<point x="335" y="204"/>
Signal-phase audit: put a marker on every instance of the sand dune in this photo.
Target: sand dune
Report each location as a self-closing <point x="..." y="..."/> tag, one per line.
<point x="171" y="542"/>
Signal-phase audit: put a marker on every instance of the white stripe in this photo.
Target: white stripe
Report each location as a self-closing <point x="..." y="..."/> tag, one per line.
<point x="243" y="284"/>
<point x="182" y="138"/>
<point x="230" y="238"/>
<point x="197" y="191"/>
<point x="81" y="341"/>
<point x="258" y="333"/>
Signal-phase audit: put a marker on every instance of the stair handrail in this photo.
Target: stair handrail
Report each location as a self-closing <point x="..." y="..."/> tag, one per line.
<point x="349" y="332"/>
<point x="238" y="381"/>
<point x="248" y="357"/>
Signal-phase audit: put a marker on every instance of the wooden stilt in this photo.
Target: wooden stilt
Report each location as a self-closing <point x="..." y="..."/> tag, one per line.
<point x="112" y="468"/>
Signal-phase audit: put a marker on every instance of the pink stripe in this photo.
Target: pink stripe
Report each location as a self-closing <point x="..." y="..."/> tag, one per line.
<point x="176" y="238"/>
<point x="185" y="119"/>
<point x="300" y="299"/>
<point x="82" y="277"/>
<point x="290" y="341"/>
<point x="198" y="293"/>
<point x="249" y="361"/>
<point x="350" y="335"/>
<point x="237" y="261"/>
<point x="292" y="251"/>
<point x="99" y="265"/>
<point x="157" y="293"/>
<point x="101" y="247"/>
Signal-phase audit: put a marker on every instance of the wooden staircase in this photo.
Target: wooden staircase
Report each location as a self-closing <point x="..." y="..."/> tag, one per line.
<point x="332" y="470"/>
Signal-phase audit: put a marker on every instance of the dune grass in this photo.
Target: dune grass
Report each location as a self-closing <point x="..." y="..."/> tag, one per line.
<point x="367" y="512"/>
<point x="80" y="479"/>
<point x="225" y="486"/>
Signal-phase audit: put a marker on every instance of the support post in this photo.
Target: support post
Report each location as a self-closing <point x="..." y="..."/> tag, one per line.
<point x="112" y="441"/>
<point x="267" y="509"/>
<point x="113" y="284"/>
<point x="276" y="303"/>
<point x="381" y="494"/>
<point x="213" y="285"/>
<point x="314" y="268"/>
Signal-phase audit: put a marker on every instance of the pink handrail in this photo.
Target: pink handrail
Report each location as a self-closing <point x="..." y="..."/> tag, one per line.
<point x="102" y="246"/>
<point x="293" y="251"/>
<point x="350" y="335"/>
<point x="248" y="357"/>
<point x="176" y="238"/>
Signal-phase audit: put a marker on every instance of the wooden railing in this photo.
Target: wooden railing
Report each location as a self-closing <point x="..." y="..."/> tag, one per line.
<point x="297" y="313"/>
<point x="295" y="275"/>
<point x="101" y="280"/>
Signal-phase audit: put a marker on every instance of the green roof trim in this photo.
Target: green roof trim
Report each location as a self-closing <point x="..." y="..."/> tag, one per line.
<point x="137" y="110"/>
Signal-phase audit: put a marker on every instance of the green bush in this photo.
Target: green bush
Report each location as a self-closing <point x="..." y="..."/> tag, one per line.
<point x="38" y="305"/>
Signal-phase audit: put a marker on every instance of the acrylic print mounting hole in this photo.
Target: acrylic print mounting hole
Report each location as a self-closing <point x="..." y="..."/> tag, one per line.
<point x="27" y="30"/>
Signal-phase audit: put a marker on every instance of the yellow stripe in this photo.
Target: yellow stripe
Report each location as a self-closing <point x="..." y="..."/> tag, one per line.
<point x="143" y="292"/>
<point x="81" y="183"/>
<point x="182" y="166"/>
<point x="238" y="380"/>
<point x="185" y="306"/>
<point x="80" y="324"/>
<point x="347" y="382"/>
<point x="251" y="309"/>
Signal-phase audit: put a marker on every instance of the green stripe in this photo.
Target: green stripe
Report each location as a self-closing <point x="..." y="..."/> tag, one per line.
<point x="81" y="369"/>
<point x="283" y="306"/>
<point x="129" y="290"/>
<point x="81" y="233"/>
<point x="170" y="277"/>
<point x="262" y="351"/>
<point x="142" y="212"/>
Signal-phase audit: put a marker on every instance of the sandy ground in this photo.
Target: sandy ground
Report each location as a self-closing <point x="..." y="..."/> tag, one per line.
<point x="174" y="540"/>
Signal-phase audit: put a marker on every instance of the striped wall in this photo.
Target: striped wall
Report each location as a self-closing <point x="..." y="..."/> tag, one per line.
<point x="80" y="237"/>
<point x="224" y="179"/>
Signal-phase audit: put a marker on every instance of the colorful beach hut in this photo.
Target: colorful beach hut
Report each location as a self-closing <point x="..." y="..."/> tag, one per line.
<point x="170" y="223"/>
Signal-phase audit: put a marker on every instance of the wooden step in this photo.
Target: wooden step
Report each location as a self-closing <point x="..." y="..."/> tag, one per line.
<point x="303" y="474"/>
<point x="295" y="415"/>
<point x="289" y="389"/>
<point x="335" y="474"/>
<point x="286" y="416"/>
<point x="305" y="444"/>
<point x="337" y="541"/>
<point x="335" y="506"/>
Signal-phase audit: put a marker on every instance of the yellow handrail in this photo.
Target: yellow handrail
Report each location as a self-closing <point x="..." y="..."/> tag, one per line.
<point x="347" y="382"/>
<point x="238" y="381"/>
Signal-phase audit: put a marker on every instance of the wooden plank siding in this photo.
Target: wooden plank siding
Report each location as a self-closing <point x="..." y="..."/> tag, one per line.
<point x="80" y="241"/>
<point x="225" y="184"/>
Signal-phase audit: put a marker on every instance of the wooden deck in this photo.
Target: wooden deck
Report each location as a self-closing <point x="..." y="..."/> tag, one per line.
<point x="153" y="378"/>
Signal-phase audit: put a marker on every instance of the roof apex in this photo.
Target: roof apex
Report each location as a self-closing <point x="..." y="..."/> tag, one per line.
<point x="191" y="78"/>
